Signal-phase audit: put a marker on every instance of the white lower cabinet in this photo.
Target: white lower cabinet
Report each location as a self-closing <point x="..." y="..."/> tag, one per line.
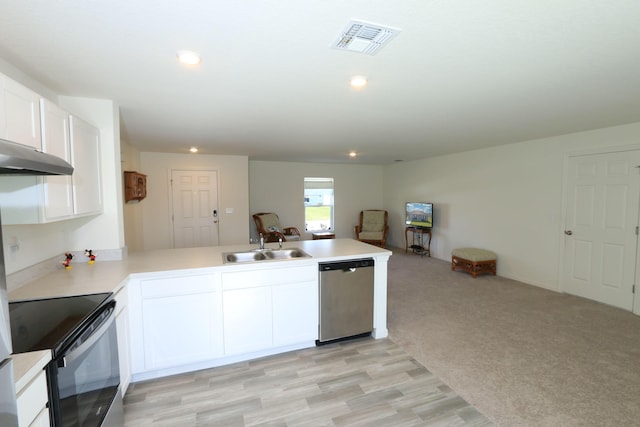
<point x="269" y="308"/>
<point x="183" y="323"/>
<point x="295" y="312"/>
<point x="122" y="327"/>
<point x="247" y="319"/>
<point x="32" y="402"/>
<point x="176" y="322"/>
<point x="42" y="419"/>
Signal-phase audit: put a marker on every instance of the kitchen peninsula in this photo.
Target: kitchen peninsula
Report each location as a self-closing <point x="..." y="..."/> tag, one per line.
<point x="185" y="309"/>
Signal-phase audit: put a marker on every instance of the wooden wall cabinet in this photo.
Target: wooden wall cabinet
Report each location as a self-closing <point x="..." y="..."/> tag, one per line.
<point x="135" y="186"/>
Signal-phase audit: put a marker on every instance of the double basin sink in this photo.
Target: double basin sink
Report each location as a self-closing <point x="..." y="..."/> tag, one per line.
<point x="263" y="255"/>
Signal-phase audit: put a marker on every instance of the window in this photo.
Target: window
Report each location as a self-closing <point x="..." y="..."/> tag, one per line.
<point x="318" y="204"/>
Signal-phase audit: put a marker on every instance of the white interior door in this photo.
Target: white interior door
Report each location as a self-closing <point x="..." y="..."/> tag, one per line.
<point x="195" y="208"/>
<point x="602" y="201"/>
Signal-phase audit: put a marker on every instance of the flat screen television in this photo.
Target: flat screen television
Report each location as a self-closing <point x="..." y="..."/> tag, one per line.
<point x="419" y="214"/>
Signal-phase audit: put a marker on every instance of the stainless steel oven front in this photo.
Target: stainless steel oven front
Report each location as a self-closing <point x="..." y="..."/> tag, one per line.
<point x="85" y="375"/>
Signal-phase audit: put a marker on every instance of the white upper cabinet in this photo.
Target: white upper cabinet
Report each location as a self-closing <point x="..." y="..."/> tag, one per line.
<point x="19" y="114"/>
<point x="27" y="119"/>
<point x="57" y="192"/>
<point x="85" y="158"/>
<point x="41" y="199"/>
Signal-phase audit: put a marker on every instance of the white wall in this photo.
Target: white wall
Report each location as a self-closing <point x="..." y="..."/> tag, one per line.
<point x="132" y="211"/>
<point x="16" y="74"/>
<point x="233" y="193"/>
<point x="27" y="245"/>
<point x="279" y="187"/>
<point x="507" y="199"/>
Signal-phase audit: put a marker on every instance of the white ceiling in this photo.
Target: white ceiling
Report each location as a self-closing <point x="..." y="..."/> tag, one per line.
<point x="462" y="74"/>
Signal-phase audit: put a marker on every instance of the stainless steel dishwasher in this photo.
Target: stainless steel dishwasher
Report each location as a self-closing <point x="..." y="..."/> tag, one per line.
<point x="346" y="299"/>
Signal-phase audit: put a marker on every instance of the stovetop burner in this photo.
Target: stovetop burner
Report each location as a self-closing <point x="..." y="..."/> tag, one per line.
<point x="43" y="324"/>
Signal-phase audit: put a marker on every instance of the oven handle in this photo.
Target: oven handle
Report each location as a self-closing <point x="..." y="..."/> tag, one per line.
<point x="93" y="338"/>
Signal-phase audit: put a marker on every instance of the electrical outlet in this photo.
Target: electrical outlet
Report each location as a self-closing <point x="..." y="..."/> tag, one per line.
<point x="14" y="244"/>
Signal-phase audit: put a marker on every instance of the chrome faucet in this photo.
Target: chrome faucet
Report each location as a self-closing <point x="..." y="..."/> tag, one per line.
<point x="280" y="242"/>
<point x="261" y="241"/>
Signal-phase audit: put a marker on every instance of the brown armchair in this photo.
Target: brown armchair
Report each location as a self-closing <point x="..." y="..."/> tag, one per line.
<point x="268" y="224"/>
<point x="373" y="227"/>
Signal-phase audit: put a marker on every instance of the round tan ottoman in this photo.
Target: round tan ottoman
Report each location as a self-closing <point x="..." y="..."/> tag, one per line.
<point x="474" y="261"/>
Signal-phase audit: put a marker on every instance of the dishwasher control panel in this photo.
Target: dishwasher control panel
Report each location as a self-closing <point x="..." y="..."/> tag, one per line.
<point x="345" y="265"/>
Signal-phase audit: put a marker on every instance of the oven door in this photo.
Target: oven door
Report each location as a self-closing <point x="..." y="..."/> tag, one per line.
<point x="84" y="378"/>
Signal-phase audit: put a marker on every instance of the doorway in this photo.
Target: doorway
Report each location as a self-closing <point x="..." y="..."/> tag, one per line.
<point x="601" y="204"/>
<point x="195" y="214"/>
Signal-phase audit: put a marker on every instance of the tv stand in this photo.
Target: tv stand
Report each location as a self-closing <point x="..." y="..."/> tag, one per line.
<point x="418" y="240"/>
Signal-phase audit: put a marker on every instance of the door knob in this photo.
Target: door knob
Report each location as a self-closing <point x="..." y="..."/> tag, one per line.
<point x="568" y="232"/>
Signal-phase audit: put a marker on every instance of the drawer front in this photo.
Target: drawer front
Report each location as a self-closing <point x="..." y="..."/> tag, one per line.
<point x="42" y="420"/>
<point x="172" y="286"/>
<point x="254" y="278"/>
<point x="32" y="399"/>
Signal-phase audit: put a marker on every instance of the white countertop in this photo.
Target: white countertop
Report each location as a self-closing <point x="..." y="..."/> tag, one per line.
<point x="109" y="276"/>
<point x="27" y="365"/>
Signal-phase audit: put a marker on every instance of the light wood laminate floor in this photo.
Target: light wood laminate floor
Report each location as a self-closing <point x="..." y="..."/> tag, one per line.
<point x="362" y="382"/>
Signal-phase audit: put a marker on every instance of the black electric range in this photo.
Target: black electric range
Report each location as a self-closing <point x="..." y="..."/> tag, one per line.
<point x="83" y="376"/>
<point x="48" y="323"/>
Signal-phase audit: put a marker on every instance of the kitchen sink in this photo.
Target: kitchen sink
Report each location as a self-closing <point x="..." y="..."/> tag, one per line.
<point x="263" y="255"/>
<point x="243" y="256"/>
<point x="286" y="254"/>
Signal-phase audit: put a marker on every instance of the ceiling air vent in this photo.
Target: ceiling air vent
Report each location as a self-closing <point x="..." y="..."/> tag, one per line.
<point x="364" y="37"/>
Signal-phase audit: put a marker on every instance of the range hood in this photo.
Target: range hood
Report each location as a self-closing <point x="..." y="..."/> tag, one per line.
<point x="18" y="159"/>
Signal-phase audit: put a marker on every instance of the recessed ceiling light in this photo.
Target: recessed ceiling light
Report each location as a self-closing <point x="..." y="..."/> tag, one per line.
<point x="352" y="154"/>
<point x="188" y="57"/>
<point x="193" y="149"/>
<point x="358" y="81"/>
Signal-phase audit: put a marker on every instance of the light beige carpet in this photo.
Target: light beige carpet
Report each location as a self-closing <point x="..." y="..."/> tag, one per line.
<point x="522" y="355"/>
